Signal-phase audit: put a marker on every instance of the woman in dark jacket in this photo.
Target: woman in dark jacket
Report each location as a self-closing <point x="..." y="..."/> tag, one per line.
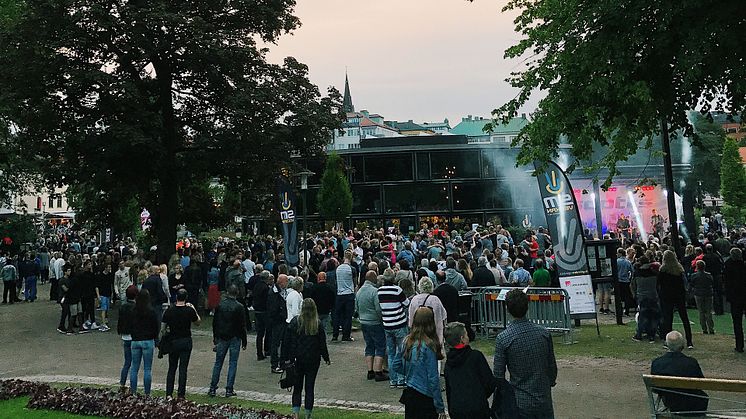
<point x="124" y="328"/>
<point x="144" y="333"/>
<point x="306" y="341"/>
<point x="735" y="292"/>
<point x="672" y="293"/>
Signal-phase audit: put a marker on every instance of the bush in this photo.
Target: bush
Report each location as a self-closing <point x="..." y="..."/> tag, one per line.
<point x="102" y="402"/>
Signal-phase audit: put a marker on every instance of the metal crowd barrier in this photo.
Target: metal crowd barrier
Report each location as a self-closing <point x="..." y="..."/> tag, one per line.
<point x="547" y="307"/>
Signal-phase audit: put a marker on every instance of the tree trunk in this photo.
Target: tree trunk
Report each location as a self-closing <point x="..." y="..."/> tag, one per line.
<point x="688" y="201"/>
<point x="168" y="202"/>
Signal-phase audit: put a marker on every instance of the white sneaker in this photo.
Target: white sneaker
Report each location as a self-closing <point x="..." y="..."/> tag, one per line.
<point x="95" y="326"/>
<point x="103" y="328"/>
<point x="87" y="324"/>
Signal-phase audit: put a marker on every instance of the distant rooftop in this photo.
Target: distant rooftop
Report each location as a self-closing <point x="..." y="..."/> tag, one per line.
<point x="406" y="126"/>
<point x="725" y="118"/>
<point x="473" y="126"/>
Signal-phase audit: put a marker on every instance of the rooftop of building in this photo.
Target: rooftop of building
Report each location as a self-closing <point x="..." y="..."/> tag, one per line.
<point x="473" y="126"/>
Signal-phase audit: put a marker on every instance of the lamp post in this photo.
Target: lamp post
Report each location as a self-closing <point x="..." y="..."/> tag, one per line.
<point x="304" y="174"/>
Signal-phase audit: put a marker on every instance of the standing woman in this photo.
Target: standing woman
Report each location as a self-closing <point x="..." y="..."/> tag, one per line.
<point x="422" y="398"/>
<point x="179" y="319"/>
<point x="672" y="294"/>
<point x="735" y="292"/>
<point x="306" y="346"/>
<point x="164" y="284"/>
<point x="175" y="281"/>
<point x="124" y="328"/>
<point x="144" y="332"/>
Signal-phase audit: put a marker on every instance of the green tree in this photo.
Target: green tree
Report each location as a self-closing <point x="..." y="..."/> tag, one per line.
<point x="613" y="71"/>
<point x="704" y="178"/>
<point x="732" y="181"/>
<point x="145" y="100"/>
<point x="335" y="197"/>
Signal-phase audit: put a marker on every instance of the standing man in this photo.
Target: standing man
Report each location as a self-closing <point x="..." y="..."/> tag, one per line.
<point x="29" y="270"/>
<point x="9" y="275"/>
<point x="369" y="311"/>
<point x="526" y="351"/>
<point x="624" y="277"/>
<point x="344" y="305"/>
<point x="121" y="283"/>
<point x="394" y="307"/>
<point x="261" y="294"/>
<point x="53" y="278"/>
<point x="278" y="313"/>
<point x="714" y="264"/>
<point x="228" y="331"/>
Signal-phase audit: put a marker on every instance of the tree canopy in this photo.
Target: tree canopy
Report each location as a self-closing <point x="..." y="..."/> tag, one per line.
<point x="335" y="197"/>
<point x="148" y="100"/>
<point x="732" y="178"/>
<point x="613" y="70"/>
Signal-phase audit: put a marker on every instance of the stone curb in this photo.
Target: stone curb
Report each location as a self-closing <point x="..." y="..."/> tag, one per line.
<point x="241" y="394"/>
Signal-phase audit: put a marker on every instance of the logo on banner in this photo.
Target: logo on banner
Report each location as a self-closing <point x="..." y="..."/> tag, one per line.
<point x="287" y="215"/>
<point x="555" y="187"/>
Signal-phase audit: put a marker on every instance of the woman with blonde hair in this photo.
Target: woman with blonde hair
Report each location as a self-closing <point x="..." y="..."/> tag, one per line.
<point x="164" y="285"/>
<point x="306" y="342"/>
<point x="418" y="363"/>
<point x="672" y="294"/>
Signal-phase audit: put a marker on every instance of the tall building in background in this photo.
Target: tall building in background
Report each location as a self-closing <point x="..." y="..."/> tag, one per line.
<point x="347" y="105"/>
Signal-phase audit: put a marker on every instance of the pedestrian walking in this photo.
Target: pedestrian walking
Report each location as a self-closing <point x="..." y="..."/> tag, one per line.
<point x="735" y="291"/>
<point x="228" y="332"/>
<point x="179" y="319"/>
<point x="306" y="343"/>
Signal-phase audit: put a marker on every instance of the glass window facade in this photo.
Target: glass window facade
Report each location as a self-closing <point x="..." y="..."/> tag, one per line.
<point x="432" y="197"/>
<point x="389" y="167"/>
<point x="399" y="198"/>
<point x="366" y="200"/>
<point x="454" y="165"/>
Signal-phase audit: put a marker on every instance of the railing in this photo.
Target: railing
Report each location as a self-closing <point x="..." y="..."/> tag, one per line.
<point x="547" y="307"/>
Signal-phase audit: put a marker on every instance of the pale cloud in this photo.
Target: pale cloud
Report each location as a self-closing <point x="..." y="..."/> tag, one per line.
<point x="408" y="59"/>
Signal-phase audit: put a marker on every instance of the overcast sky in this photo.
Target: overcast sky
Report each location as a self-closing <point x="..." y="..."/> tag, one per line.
<point x="424" y="60"/>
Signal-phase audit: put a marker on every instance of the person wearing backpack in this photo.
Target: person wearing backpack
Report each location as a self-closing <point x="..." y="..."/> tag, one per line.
<point x="277" y="308"/>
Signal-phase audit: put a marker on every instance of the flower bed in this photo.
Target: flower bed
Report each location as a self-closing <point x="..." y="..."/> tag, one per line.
<point x="106" y="403"/>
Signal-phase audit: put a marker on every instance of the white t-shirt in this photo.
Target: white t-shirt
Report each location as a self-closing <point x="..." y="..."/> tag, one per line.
<point x="294" y="302"/>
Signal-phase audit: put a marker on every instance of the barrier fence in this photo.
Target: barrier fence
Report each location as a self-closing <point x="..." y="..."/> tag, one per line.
<point x="547" y="307"/>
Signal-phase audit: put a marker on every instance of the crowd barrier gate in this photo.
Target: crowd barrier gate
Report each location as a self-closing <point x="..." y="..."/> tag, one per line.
<point x="547" y="307"/>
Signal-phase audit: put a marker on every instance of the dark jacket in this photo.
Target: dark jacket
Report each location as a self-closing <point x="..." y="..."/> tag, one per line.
<point x="680" y="365"/>
<point x="713" y="263"/>
<point x="144" y="325"/>
<point x="701" y="282"/>
<point x="306" y="349"/>
<point x="154" y="286"/>
<point x="261" y="293"/>
<point x="735" y="280"/>
<point x="448" y="296"/>
<point x="229" y="321"/>
<point x="469" y="383"/>
<point x="276" y="306"/>
<point x="324" y="297"/>
<point x="483" y="277"/>
<point x="87" y="285"/>
<point x="671" y="287"/>
<point x="126" y="313"/>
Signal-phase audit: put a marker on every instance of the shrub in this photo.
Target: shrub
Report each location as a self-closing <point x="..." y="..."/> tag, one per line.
<point x="102" y="402"/>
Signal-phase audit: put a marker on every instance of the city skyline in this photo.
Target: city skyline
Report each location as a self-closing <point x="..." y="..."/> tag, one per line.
<point x="419" y="60"/>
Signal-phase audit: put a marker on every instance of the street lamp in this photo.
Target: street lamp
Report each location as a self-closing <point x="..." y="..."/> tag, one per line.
<point x="304" y="174"/>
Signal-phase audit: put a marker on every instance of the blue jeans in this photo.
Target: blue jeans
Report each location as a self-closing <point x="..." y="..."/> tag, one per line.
<point x="224" y="347"/>
<point x="343" y="308"/>
<point x="30" y="292"/>
<point x="394" y="340"/>
<point x="127" y="346"/>
<point x="142" y="350"/>
<point x="375" y="340"/>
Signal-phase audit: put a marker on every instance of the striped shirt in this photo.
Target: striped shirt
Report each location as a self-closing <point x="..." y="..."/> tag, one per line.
<point x="393" y="306"/>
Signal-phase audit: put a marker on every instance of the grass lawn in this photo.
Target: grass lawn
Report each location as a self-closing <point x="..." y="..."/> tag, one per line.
<point x="16" y="408"/>
<point x="616" y="341"/>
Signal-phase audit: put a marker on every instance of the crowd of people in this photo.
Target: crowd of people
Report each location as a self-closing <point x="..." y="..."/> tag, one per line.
<point x="404" y="291"/>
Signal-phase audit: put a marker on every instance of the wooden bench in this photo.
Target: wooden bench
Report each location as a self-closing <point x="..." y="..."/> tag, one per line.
<point x="653" y="382"/>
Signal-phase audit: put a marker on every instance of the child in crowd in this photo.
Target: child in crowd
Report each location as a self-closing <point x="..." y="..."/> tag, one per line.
<point x="469" y="379"/>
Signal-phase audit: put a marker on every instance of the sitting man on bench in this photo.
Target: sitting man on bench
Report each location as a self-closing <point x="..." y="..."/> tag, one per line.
<point x="674" y="363"/>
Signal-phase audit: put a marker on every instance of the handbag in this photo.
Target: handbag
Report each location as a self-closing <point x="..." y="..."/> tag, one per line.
<point x="165" y="343"/>
<point x="289" y="376"/>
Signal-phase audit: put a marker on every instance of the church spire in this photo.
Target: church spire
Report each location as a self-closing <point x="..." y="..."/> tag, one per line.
<point x="347" y="105"/>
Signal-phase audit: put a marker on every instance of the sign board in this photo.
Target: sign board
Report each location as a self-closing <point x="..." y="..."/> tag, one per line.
<point x="580" y="290"/>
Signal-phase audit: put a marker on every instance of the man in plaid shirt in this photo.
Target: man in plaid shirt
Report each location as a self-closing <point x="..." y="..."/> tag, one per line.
<point x="527" y="352"/>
